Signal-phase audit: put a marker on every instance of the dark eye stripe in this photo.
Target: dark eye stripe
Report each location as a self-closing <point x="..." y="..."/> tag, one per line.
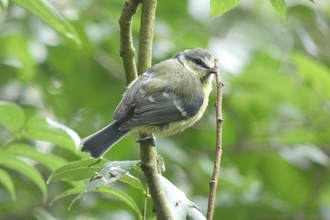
<point x="200" y="63"/>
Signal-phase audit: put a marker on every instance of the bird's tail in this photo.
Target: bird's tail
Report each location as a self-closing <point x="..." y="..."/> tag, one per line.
<point x="100" y="142"/>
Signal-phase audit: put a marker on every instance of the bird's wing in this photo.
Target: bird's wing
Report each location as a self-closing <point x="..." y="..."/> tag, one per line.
<point x="132" y="96"/>
<point x="162" y="108"/>
<point x="148" y="83"/>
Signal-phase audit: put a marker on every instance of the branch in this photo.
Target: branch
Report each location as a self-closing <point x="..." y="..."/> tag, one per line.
<point x="146" y="34"/>
<point x="127" y="50"/>
<point x="218" y="151"/>
<point x="148" y="153"/>
<point x="149" y="166"/>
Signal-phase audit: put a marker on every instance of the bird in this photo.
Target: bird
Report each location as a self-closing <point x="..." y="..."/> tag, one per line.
<point x="166" y="99"/>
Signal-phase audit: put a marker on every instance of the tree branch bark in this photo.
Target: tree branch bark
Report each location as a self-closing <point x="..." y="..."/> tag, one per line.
<point x="127" y="50"/>
<point x="218" y="152"/>
<point x="148" y="154"/>
<point x="146" y="34"/>
<point x="149" y="166"/>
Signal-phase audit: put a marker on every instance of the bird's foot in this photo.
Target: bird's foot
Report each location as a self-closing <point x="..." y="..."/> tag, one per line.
<point x="151" y="140"/>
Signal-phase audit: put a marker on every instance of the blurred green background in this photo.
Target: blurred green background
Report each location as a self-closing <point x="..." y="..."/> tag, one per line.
<point x="276" y="105"/>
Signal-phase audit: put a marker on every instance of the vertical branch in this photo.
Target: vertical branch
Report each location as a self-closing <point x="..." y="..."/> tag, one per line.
<point x="149" y="166"/>
<point x="146" y="34"/>
<point x="148" y="153"/>
<point x="218" y="151"/>
<point x="127" y="50"/>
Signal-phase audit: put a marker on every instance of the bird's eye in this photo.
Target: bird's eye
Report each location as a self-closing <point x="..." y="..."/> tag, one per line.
<point x="198" y="61"/>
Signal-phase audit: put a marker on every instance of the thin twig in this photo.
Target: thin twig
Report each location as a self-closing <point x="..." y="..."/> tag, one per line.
<point x="218" y="152"/>
<point x="127" y="50"/>
<point x="145" y="204"/>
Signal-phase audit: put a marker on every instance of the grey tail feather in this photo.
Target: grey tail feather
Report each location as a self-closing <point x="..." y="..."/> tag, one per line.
<point x="100" y="142"/>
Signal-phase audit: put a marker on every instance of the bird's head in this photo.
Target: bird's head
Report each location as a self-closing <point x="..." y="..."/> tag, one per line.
<point x="198" y="61"/>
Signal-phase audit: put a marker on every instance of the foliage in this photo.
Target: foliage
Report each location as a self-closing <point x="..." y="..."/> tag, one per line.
<point x="219" y="7"/>
<point x="61" y="75"/>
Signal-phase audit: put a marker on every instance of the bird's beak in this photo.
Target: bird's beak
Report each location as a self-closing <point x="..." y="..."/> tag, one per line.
<point x="212" y="70"/>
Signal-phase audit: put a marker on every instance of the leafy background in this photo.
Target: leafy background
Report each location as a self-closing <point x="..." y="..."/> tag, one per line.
<point x="61" y="75"/>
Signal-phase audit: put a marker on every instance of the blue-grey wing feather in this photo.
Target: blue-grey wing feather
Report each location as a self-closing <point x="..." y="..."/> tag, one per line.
<point x="162" y="108"/>
<point x="132" y="96"/>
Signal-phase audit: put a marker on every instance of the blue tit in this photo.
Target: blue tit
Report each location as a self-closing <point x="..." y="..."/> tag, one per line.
<point x="168" y="98"/>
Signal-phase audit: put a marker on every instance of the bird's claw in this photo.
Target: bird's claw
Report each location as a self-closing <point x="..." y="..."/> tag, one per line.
<point x="151" y="140"/>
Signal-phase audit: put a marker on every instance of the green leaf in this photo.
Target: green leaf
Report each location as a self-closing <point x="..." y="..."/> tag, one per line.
<point x="72" y="191"/>
<point x="77" y="170"/>
<point x="133" y="181"/>
<point x="117" y="194"/>
<point x="118" y="168"/>
<point x="108" y="173"/>
<point x="11" y="162"/>
<point x="280" y="7"/>
<point x="219" y="7"/>
<point x="74" y="136"/>
<point x="46" y="130"/>
<point x="48" y="160"/>
<point x="8" y="183"/>
<point x="17" y="54"/>
<point x="11" y="116"/>
<point x="123" y="197"/>
<point x="49" y="14"/>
